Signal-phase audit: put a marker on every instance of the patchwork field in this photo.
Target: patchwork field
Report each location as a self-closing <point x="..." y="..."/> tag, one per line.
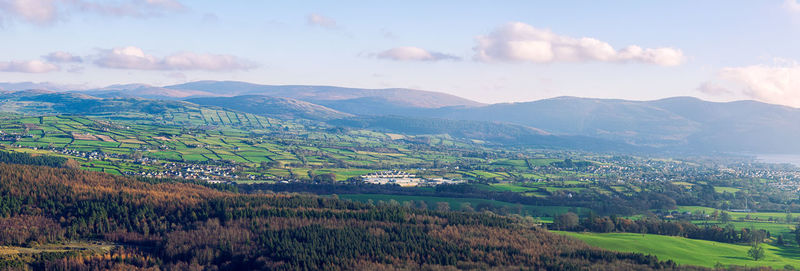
<point x="114" y="144"/>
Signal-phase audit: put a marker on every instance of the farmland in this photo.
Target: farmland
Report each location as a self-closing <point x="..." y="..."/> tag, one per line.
<point x="261" y="154"/>
<point x="262" y="148"/>
<point x="773" y="222"/>
<point x="690" y="251"/>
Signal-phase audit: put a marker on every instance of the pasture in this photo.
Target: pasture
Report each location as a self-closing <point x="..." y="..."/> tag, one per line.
<point x="690" y="251"/>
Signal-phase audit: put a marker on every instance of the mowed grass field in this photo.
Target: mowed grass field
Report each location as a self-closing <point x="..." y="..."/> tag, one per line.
<point x="690" y="251"/>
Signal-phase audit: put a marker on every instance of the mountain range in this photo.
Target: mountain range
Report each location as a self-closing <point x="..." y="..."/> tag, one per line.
<point x="674" y="124"/>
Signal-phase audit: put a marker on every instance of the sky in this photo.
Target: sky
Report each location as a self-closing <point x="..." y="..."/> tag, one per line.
<point x="488" y="51"/>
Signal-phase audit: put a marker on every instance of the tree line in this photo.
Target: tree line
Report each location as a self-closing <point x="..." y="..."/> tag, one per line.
<point x="729" y="234"/>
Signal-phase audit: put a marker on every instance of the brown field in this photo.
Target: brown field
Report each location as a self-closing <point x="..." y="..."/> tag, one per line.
<point x="105" y="138"/>
<point x="83" y="136"/>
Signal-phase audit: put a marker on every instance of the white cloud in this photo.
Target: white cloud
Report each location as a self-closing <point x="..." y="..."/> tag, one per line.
<point x="167" y="4"/>
<point x="792" y="6"/>
<point x="414" y="54"/>
<point x="135" y="58"/>
<point x="713" y="89"/>
<point x="127" y="58"/>
<point x="131" y="8"/>
<point x="40" y="12"/>
<point x="31" y="66"/>
<point x="45" y="12"/>
<point x="320" y="20"/>
<point x="778" y="83"/>
<point x="521" y="42"/>
<point x="62" y="57"/>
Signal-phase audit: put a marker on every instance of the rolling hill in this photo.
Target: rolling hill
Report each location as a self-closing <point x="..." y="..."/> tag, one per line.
<point x="673" y="124"/>
<point x="145" y="91"/>
<point x="324" y="95"/>
<point x="680" y="123"/>
<point x="272" y="106"/>
<point x="493" y="132"/>
<point x="44" y="102"/>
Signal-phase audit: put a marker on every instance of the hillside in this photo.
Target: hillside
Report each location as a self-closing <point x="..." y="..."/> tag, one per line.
<point x="672" y="124"/>
<point x="675" y="124"/>
<point x="144" y="91"/>
<point x="272" y="106"/>
<point x="318" y="94"/>
<point x="179" y="226"/>
<point x="611" y="119"/>
<point x="76" y="103"/>
<point x="738" y="126"/>
<point x="681" y="124"/>
<point x="688" y="251"/>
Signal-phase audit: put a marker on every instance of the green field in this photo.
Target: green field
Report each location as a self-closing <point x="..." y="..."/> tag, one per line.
<point x="690" y="251"/>
<point x="738" y="215"/>
<point x="511" y="187"/>
<point x="723" y="189"/>
<point x="215" y="136"/>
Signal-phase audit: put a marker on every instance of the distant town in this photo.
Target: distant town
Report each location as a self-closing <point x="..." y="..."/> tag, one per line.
<point x="404" y="179"/>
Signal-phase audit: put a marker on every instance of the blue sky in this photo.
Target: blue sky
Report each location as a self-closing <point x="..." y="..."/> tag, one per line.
<point x="489" y="51"/>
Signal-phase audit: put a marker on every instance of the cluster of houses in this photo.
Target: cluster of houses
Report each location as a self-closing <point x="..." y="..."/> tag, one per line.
<point x="13" y="137"/>
<point x="793" y="185"/>
<point x="209" y="173"/>
<point x="88" y="155"/>
<point x="404" y="179"/>
<point x="201" y="172"/>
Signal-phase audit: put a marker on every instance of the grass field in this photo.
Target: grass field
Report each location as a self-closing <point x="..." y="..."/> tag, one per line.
<point x="737" y="215"/>
<point x="690" y="251"/>
<point x="70" y="246"/>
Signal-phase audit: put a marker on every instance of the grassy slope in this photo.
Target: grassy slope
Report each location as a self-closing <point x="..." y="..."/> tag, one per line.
<point x="690" y="251"/>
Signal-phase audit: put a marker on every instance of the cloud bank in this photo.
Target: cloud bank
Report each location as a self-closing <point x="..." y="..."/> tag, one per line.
<point x="713" y="89"/>
<point x="778" y="83"/>
<point x="62" y="57"/>
<point x="414" y="54"/>
<point x="30" y="66"/>
<point x="135" y="58"/>
<point x="791" y="6"/>
<point x="524" y="43"/>
<point x="33" y="11"/>
<point x="46" y="12"/>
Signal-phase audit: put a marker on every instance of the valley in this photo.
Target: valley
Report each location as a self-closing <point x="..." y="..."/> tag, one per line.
<point x="280" y="146"/>
<point x="172" y="135"/>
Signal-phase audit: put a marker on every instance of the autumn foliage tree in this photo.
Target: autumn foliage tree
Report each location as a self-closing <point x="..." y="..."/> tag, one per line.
<point x="175" y="225"/>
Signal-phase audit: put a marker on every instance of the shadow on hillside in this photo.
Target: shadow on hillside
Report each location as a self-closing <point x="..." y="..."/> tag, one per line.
<point x="791" y="252"/>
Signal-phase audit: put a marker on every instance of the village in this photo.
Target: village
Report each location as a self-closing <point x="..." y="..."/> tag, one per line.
<point x="404" y="179"/>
